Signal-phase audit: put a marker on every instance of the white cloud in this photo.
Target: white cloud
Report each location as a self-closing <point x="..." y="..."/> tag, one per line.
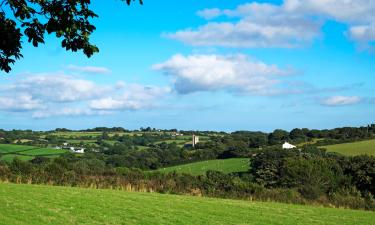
<point x="214" y="72"/>
<point x="131" y="97"/>
<point x="48" y="95"/>
<point x="65" y="111"/>
<point x="341" y="100"/>
<point x="209" y="13"/>
<point x="89" y="69"/>
<point x="260" y="26"/>
<point x="19" y="102"/>
<point x="349" y="11"/>
<point x="363" y="33"/>
<point x="57" y="87"/>
<point x="294" y="23"/>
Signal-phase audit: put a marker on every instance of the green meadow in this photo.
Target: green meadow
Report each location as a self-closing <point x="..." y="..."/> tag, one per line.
<point x="28" y="204"/>
<point x="353" y="148"/>
<point x="9" y="151"/>
<point x="10" y="148"/>
<point x="222" y="165"/>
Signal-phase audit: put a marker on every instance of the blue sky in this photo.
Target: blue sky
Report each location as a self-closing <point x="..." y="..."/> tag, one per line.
<point x="203" y="65"/>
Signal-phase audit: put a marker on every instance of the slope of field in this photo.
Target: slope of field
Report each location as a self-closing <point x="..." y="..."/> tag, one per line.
<point x="27" y="204"/>
<point x="354" y="148"/>
<point x="222" y="165"/>
<point x="9" y="152"/>
<point x="9" y="148"/>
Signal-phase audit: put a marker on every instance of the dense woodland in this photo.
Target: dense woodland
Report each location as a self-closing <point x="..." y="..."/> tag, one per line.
<point x="304" y="175"/>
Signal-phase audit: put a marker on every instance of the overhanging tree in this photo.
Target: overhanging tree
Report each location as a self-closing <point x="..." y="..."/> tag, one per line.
<point x="69" y="20"/>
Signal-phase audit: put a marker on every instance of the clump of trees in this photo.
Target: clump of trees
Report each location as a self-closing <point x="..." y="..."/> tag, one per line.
<point x="317" y="175"/>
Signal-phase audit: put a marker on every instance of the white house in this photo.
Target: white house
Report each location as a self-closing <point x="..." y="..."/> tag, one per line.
<point x="79" y="150"/>
<point x="287" y="145"/>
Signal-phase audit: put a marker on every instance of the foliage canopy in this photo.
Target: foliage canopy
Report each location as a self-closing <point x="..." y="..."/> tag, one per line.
<point x="69" y="20"/>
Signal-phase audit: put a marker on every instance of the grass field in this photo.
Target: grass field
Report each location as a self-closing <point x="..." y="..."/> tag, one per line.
<point x="354" y="148"/>
<point x="9" y="148"/>
<point x="27" y="204"/>
<point x="23" y="152"/>
<point x="199" y="168"/>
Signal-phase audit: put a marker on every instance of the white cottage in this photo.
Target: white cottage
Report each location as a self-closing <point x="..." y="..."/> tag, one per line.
<point x="287" y="145"/>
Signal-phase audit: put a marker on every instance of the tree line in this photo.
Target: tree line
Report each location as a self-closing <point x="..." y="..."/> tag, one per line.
<point x="309" y="176"/>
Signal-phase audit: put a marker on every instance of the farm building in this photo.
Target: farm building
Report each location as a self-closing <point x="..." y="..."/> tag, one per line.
<point x="287" y="145"/>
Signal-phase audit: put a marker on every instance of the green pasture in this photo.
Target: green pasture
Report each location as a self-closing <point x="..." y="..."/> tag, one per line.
<point x="29" y="204"/>
<point x="199" y="168"/>
<point x="10" y="148"/>
<point x="8" y="152"/>
<point x="353" y="148"/>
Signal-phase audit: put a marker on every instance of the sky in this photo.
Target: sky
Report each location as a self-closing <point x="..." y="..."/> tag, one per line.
<point x="203" y="65"/>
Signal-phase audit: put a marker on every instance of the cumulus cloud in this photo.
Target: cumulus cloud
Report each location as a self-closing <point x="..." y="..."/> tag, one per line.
<point x="209" y="13"/>
<point x="48" y="95"/>
<point x="363" y="33"/>
<point x="135" y="97"/>
<point x="19" y="102"/>
<point x="260" y="25"/>
<point x="294" y="23"/>
<point x="89" y="69"/>
<point x="65" y="111"/>
<point x="56" y="87"/>
<point x="341" y="100"/>
<point x="350" y="11"/>
<point x="214" y="72"/>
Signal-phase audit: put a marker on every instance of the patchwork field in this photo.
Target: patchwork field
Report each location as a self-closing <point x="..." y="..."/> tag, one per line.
<point x="354" y="148"/>
<point x="27" y="204"/>
<point x="9" y="152"/>
<point x="200" y="168"/>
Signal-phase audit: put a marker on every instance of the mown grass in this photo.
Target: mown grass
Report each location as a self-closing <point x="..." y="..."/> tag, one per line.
<point x="354" y="148"/>
<point x="28" y="204"/>
<point x="222" y="165"/>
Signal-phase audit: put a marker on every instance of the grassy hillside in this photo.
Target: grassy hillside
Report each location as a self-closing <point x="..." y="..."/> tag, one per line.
<point x="198" y="168"/>
<point x="24" y="152"/>
<point x="354" y="148"/>
<point x="9" y="148"/>
<point x="26" y="204"/>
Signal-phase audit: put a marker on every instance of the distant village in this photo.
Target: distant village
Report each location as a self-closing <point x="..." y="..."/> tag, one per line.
<point x="195" y="141"/>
